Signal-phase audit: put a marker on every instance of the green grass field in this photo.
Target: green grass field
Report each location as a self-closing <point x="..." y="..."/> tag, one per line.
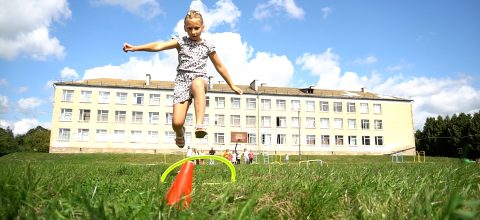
<point x="127" y="186"/>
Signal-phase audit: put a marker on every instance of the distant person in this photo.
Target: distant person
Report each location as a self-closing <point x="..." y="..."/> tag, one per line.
<point x="189" y="151"/>
<point x="211" y="152"/>
<point x="246" y="159"/>
<point x="250" y="156"/>
<point x="191" y="80"/>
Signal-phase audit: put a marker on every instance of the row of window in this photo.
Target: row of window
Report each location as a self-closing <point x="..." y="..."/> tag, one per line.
<point x="220" y="102"/>
<point x="136" y="136"/>
<point x="84" y="115"/>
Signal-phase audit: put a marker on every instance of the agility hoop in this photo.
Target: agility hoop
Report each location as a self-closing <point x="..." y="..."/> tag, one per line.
<point x="229" y="164"/>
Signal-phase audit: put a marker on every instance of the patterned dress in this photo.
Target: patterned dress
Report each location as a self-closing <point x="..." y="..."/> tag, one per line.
<point x="192" y="62"/>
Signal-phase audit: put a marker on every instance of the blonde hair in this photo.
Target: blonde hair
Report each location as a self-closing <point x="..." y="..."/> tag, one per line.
<point x="193" y="14"/>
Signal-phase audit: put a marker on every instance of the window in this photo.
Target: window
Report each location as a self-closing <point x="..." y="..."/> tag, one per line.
<point x="101" y="135"/>
<point x="220" y="102"/>
<point x="154" y="99"/>
<point x="170" y="100"/>
<point x="378" y="124"/>
<point x="266" y="121"/>
<point x="153" y="117"/>
<point x="152" y="137"/>
<point x="251" y="121"/>
<point x="338" y="123"/>
<point x="120" y="116"/>
<point x="121" y="98"/>
<point x="324" y="123"/>
<point x="102" y="116"/>
<point x="235" y="103"/>
<point x="169" y="137"/>
<point x="220" y="120"/>
<point x="235" y="120"/>
<point x="364" y="108"/>
<point x="295" y="122"/>
<point x="295" y="105"/>
<point x="136" y="136"/>
<point x="118" y="136"/>
<point x="323" y="106"/>
<point x="65" y="114"/>
<point x="85" y="96"/>
<point x="295" y="139"/>
<point x="352" y="140"/>
<point x="281" y="105"/>
<point x="337" y="107"/>
<point x="219" y="138"/>
<point x="311" y="139"/>
<point x="325" y="140"/>
<point x="351" y="107"/>
<point x="67" y="96"/>
<point x="207" y="101"/>
<point x="338" y="140"/>
<point x="103" y="97"/>
<point x="365" y="140"/>
<point x="168" y="118"/>
<point x="137" y="117"/>
<point x="310" y="122"/>
<point x="282" y="122"/>
<point x="82" y="135"/>
<point x="266" y="104"/>
<point x="252" y="138"/>
<point x="266" y="139"/>
<point x="138" y="98"/>
<point x="365" y="124"/>
<point x="189" y="119"/>
<point x="377" y="108"/>
<point x="379" y="140"/>
<point x="64" y="134"/>
<point x="310" y="106"/>
<point x="352" y="124"/>
<point x="281" y="139"/>
<point x="84" y="115"/>
<point x="206" y="119"/>
<point x="251" y="103"/>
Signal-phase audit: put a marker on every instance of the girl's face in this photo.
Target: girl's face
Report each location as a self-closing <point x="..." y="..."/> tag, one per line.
<point x="194" y="28"/>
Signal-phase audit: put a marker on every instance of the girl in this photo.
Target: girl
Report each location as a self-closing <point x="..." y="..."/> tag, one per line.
<point x="191" y="79"/>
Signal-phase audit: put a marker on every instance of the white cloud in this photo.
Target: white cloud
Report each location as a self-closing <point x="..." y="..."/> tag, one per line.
<point x="68" y="73"/>
<point x="3" y="104"/>
<point x="366" y="60"/>
<point x="24" y="125"/>
<point x="432" y="96"/>
<point x="29" y="104"/>
<point x="5" y="124"/>
<point x="22" y="89"/>
<point x="147" y="9"/>
<point x="239" y="58"/>
<point x="24" y="28"/>
<point x="326" y="11"/>
<point x="275" y="7"/>
<point x="3" y="82"/>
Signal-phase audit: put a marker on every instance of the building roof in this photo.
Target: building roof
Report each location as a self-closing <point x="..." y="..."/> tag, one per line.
<point x="224" y="88"/>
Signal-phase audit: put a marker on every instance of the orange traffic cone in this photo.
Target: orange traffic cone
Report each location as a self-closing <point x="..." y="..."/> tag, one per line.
<point x="182" y="185"/>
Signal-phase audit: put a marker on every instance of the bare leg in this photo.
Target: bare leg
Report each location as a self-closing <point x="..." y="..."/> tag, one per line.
<point x="199" y="89"/>
<point x="179" y="114"/>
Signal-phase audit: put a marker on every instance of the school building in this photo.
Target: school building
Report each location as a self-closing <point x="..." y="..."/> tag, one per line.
<point x="135" y="116"/>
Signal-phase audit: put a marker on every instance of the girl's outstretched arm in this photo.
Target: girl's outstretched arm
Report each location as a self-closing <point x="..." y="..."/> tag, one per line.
<point x="151" y="47"/>
<point x="223" y="72"/>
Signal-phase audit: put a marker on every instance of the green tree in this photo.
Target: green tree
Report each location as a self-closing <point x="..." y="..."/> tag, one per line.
<point x="37" y="139"/>
<point x="7" y="141"/>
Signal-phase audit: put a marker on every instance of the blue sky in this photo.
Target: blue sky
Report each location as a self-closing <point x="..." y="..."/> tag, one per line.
<point x="427" y="50"/>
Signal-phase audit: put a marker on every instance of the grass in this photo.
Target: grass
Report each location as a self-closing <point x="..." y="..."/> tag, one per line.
<point x="126" y="186"/>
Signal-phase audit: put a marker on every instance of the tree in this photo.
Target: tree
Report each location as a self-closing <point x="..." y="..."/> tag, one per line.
<point x="37" y="139"/>
<point x="7" y="142"/>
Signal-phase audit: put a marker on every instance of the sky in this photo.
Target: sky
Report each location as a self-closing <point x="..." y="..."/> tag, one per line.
<point x="426" y="51"/>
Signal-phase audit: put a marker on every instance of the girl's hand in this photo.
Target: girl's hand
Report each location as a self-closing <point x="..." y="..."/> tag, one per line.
<point x="127" y="47"/>
<point x="236" y="90"/>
